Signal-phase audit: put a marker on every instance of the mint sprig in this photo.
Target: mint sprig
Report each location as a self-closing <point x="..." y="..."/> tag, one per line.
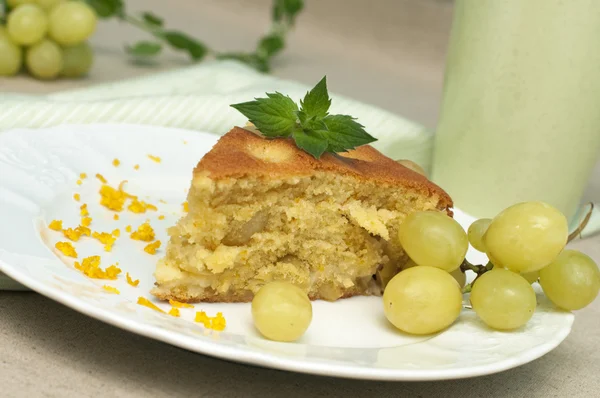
<point x="283" y="16"/>
<point x="311" y="126"/>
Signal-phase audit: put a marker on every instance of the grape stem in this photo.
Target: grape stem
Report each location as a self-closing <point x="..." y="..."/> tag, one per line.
<point x="478" y="269"/>
<point x="582" y="225"/>
<point x="284" y="14"/>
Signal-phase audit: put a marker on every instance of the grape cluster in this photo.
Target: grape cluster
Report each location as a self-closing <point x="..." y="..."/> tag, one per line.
<point x="48" y="37"/>
<point x="525" y="244"/>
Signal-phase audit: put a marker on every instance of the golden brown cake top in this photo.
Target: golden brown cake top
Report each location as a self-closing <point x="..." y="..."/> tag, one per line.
<point x="241" y="153"/>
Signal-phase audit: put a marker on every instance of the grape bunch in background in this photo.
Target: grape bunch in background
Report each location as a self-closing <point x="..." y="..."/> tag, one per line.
<point x="47" y="37"/>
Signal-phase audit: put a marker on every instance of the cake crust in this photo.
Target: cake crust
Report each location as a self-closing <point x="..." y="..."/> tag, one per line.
<point x="241" y="153"/>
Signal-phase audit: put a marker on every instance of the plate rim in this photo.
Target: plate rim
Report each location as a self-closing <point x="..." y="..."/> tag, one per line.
<point x="260" y="358"/>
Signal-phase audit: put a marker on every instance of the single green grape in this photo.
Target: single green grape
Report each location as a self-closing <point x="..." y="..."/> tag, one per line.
<point x="432" y="238"/>
<point x="571" y="281"/>
<point x="77" y="60"/>
<point x="460" y="277"/>
<point x="27" y="24"/>
<point x="47" y="4"/>
<point x="44" y="60"/>
<point x="476" y="231"/>
<point x="15" y="3"/>
<point x="503" y="299"/>
<point x="11" y="56"/>
<point x="72" y="22"/>
<point x="281" y="311"/>
<point x="422" y="300"/>
<point x="531" y="277"/>
<point x="526" y="237"/>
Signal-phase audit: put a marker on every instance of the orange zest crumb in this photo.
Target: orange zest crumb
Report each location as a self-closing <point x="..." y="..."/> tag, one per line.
<point x="83" y="230"/>
<point x="217" y="322"/>
<point x="178" y="304"/>
<point x="55" y="225"/>
<point x="90" y="266"/>
<point x="174" y="312"/>
<point x="66" y="248"/>
<point x="139" y="206"/>
<point x="136" y="167"/>
<point x="144" y="233"/>
<point x="83" y="176"/>
<point x="112" y="198"/>
<point x="111" y="289"/>
<point x="132" y="282"/>
<point x="116" y="217"/>
<point x="71" y="234"/>
<point x="86" y="221"/>
<point x="161" y="217"/>
<point x="147" y="303"/>
<point x="116" y="233"/>
<point x="77" y="197"/>
<point x="101" y="178"/>
<point x="152" y="247"/>
<point x="116" y="162"/>
<point x="184" y="142"/>
<point x="107" y="239"/>
<point x="79" y="182"/>
<point x="128" y="228"/>
<point x="154" y="158"/>
<point x="186" y="206"/>
<point x="162" y="201"/>
<point x="83" y="210"/>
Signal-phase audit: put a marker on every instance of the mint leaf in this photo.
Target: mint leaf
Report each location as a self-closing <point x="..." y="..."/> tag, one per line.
<point x="152" y="19"/>
<point x="345" y="133"/>
<point x="144" y="49"/>
<point x="313" y="130"/>
<point x="316" y="101"/>
<point x="270" y="45"/>
<point x="107" y="8"/>
<point x="311" y="142"/>
<point x="181" y="41"/>
<point x="274" y="116"/>
<point x="287" y="9"/>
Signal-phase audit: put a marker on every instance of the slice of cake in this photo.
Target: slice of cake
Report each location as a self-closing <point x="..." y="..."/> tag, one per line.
<point x="263" y="210"/>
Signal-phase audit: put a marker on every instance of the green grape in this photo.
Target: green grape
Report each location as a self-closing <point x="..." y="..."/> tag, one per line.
<point x="44" y="60"/>
<point x="571" y="281"/>
<point x="15" y="3"/>
<point x="47" y="4"/>
<point x="432" y="238"/>
<point x="460" y="277"/>
<point x="11" y="56"/>
<point x="77" y="60"/>
<point x="526" y="237"/>
<point x="502" y="299"/>
<point x="281" y="311"/>
<point x="531" y="277"/>
<point x="27" y="24"/>
<point x="476" y="231"/>
<point x="422" y="300"/>
<point x="71" y="23"/>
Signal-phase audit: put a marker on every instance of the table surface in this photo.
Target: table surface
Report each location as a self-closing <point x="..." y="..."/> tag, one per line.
<point x="397" y="48"/>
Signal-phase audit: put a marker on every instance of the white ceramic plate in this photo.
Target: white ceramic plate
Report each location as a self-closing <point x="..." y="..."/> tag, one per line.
<point x="348" y="338"/>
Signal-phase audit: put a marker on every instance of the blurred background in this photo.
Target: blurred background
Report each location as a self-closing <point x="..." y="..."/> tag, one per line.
<point x="389" y="53"/>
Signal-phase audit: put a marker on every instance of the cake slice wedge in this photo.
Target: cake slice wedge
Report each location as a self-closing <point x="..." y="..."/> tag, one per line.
<point x="262" y="210"/>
